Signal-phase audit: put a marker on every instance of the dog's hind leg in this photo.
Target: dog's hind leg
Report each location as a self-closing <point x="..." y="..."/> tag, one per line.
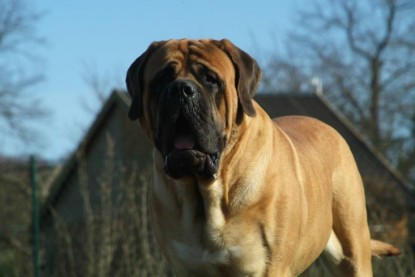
<point x="350" y="227"/>
<point x="339" y="264"/>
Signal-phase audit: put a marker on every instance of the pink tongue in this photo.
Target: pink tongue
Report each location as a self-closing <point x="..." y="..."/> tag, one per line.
<point x="184" y="142"/>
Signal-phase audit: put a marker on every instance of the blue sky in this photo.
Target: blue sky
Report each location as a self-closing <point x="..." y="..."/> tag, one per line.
<point x="106" y="36"/>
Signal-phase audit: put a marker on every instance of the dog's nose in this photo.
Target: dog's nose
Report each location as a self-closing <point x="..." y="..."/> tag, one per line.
<point x="183" y="89"/>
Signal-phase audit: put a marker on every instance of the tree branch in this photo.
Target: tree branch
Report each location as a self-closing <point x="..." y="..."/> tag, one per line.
<point x="349" y="28"/>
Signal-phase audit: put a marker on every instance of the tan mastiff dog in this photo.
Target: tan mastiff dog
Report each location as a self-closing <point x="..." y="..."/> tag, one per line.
<point x="236" y="193"/>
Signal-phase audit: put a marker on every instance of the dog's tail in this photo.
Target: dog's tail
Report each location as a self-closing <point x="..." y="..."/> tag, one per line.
<point x="381" y="249"/>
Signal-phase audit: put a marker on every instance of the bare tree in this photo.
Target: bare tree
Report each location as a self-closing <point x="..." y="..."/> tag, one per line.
<point x="364" y="53"/>
<point x="100" y="83"/>
<point x="17" y="40"/>
<point x="17" y="108"/>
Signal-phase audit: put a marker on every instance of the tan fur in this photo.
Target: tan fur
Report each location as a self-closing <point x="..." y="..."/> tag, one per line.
<point x="287" y="190"/>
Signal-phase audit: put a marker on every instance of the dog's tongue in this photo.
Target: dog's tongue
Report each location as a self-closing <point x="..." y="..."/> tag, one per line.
<point x="184" y="142"/>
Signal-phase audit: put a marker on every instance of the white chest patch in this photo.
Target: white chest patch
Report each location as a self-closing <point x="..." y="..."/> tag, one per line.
<point x="196" y="255"/>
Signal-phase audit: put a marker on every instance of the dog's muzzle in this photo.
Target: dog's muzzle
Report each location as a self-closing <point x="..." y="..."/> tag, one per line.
<point x="187" y="137"/>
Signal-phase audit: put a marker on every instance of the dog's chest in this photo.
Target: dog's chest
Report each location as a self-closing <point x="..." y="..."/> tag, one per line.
<point x="241" y="257"/>
<point x="214" y="246"/>
<point x="211" y="245"/>
<point x="192" y="258"/>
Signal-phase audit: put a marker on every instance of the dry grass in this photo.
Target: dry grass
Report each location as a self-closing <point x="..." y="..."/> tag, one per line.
<point x="114" y="237"/>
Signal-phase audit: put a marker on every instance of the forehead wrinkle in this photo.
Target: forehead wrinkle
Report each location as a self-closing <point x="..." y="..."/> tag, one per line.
<point x="171" y="52"/>
<point x="208" y="54"/>
<point x="186" y="52"/>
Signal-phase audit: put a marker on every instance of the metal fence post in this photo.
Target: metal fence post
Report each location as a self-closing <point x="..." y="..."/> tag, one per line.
<point x="35" y="217"/>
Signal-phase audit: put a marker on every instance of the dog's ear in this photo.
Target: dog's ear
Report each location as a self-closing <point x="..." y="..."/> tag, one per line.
<point x="248" y="74"/>
<point x="135" y="82"/>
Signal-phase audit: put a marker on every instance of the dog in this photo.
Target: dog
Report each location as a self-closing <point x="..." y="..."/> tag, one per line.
<point x="236" y="193"/>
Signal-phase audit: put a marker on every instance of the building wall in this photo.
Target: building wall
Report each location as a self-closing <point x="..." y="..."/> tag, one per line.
<point x="100" y="221"/>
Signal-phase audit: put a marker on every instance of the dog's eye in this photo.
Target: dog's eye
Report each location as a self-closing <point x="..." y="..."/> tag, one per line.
<point x="164" y="77"/>
<point x="210" y="78"/>
<point x="167" y="74"/>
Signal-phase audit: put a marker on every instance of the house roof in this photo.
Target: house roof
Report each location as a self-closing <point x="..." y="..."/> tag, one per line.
<point x="117" y="98"/>
<point x="275" y="104"/>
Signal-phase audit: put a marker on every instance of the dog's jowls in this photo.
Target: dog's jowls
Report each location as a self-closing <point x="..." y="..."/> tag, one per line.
<point x="236" y="193"/>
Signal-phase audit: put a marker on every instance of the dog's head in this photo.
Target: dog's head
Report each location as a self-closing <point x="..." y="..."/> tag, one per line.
<point x="187" y="96"/>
